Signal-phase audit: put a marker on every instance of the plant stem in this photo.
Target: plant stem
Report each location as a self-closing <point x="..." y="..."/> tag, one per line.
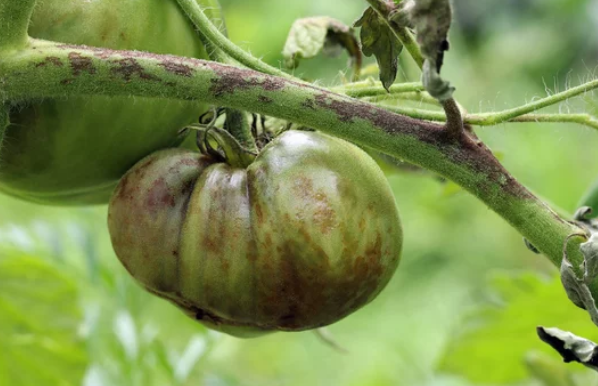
<point x="454" y="120"/>
<point x="14" y="22"/>
<point x="237" y="123"/>
<point x="582" y="119"/>
<point x="79" y="71"/>
<point x="411" y="45"/>
<point x="428" y="115"/>
<point x="383" y="8"/>
<point x="367" y="89"/>
<point x="414" y="96"/>
<point x="238" y="126"/>
<point x="481" y="119"/>
<point x="507" y="115"/>
<point x="210" y="31"/>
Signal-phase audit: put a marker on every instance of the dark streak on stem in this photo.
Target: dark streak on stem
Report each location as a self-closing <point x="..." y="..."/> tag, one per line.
<point x="80" y="64"/>
<point x="459" y="146"/>
<point x="50" y="60"/>
<point x="454" y="120"/>
<point x="466" y="150"/>
<point x="129" y="67"/>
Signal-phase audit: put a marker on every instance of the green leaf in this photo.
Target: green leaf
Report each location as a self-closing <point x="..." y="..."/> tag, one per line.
<point x="39" y="318"/>
<point x="311" y="36"/>
<point x="504" y="333"/>
<point x="378" y="39"/>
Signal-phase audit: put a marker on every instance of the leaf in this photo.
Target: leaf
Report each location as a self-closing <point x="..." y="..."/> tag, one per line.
<point x="589" y="249"/>
<point x="571" y="347"/>
<point x="505" y="332"/>
<point x="378" y="39"/>
<point x="39" y="319"/>
<point x="577" y="288"/>
<point x="434" y="84"/>
<point x="311" y="36"/>
<point x="431" y="20"/>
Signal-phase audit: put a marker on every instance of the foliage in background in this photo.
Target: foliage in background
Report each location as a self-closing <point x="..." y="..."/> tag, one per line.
<point x="76" y="317"/>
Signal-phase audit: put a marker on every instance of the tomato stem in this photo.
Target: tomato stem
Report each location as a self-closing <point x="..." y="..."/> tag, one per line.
<point x="237" y="123"/>
<point x="235" y="154"/>
<point x="213" y="33"/>
<point x="14" y="21"/>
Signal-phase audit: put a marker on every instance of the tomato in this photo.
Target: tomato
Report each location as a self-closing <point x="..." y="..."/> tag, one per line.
<point x="305" y="235"/>
<point x="73" y="151"/>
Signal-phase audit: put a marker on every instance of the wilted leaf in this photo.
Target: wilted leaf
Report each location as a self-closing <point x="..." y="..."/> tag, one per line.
<point x="571" y="347"/>
<point x="589" y="249"/>
<point x="378" y="39"/>
<point x="434" y="84"/>
<point x="577" y="288"/>
<point x="38" y="325"/>
<point x="431" y="20"/>
<point x="310" y="36"/>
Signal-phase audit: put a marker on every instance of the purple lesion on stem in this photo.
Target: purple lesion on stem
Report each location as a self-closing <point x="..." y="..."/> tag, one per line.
<point x="177" y="68"/>
<point x="129" y="67"/>
<point x="466" y="149"/>
<point x="50" y="60"/>
<point x="459" y="145"/>
<point x="81" y="64"/>
<point x="230" y="79"/>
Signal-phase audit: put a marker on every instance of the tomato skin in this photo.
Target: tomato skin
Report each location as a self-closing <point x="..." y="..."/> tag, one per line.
<point x="73" y="151"/>
<point x="304" y="236"/>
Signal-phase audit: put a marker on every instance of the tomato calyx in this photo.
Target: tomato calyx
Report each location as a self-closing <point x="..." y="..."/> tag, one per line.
<point x="220" y="144"/>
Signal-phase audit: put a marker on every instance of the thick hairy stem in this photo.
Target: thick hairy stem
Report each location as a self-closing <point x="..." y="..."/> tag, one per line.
<point x="49" y="70"/>
<point x="14" y="21"/>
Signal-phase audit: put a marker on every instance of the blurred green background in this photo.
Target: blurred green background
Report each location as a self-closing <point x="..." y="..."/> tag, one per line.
<point x="463" y="306"/>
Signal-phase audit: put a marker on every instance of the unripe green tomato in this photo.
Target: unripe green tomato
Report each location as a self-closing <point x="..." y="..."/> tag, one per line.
<point x="73" y="151"/>
<point x="304" y="236"/>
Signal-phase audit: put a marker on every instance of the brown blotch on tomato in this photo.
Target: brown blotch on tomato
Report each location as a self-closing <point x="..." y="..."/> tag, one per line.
<point x="275" y="247"/>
